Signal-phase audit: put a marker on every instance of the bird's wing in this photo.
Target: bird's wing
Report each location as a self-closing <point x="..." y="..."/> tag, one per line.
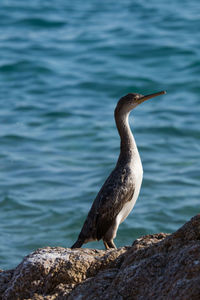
<point x="116" y="191"/>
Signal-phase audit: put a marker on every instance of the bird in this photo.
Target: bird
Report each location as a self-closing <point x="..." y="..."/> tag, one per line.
<point x="120" y="191"/>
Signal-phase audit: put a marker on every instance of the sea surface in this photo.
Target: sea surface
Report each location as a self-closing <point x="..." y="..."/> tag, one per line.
<point x="63" y="67"/>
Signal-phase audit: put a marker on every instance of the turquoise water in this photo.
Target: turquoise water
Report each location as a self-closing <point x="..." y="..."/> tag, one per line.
<point x="63" y="66"/>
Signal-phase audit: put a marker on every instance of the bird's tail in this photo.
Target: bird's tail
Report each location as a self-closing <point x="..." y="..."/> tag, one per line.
<point x="78" y="244"/>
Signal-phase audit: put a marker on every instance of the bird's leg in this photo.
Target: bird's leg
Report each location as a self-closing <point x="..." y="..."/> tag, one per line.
<point x="111" y="244"/>
<point x="106" y="245"/>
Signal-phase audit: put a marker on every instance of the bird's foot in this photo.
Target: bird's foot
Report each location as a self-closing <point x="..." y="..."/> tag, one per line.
<point x="109" y="245"/>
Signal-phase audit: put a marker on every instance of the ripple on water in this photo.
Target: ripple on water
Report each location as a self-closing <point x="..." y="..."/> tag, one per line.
<point x="62" y="70"/>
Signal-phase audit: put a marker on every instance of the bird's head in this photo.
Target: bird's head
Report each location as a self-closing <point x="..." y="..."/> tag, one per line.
<point x="130" y="101"/>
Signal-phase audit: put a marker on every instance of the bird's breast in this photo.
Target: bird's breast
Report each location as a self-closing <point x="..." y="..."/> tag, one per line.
<point x="136" y="171"/>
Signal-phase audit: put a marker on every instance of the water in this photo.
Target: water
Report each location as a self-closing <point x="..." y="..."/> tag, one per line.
<point x="63" y="66"/>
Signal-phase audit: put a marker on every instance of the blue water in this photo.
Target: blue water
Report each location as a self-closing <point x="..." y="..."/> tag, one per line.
<point x="63" y="67"/>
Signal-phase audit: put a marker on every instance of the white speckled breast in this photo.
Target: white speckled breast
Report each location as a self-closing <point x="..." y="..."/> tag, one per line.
<point x="136" y="167"/>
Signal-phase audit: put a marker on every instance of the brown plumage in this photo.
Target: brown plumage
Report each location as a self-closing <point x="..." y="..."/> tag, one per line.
<point x="119" y="193"/>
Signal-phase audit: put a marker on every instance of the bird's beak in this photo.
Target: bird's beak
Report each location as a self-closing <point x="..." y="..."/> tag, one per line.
<point x="147" y="97"/>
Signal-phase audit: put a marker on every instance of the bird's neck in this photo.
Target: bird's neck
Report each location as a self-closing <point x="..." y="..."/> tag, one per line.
<point x="128" y="148"/>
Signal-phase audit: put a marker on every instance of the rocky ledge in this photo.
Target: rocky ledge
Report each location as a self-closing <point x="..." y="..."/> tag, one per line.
<point x="158" y="266"/>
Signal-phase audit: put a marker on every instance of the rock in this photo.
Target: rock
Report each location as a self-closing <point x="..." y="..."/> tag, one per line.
<point x="158" y="266"/>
